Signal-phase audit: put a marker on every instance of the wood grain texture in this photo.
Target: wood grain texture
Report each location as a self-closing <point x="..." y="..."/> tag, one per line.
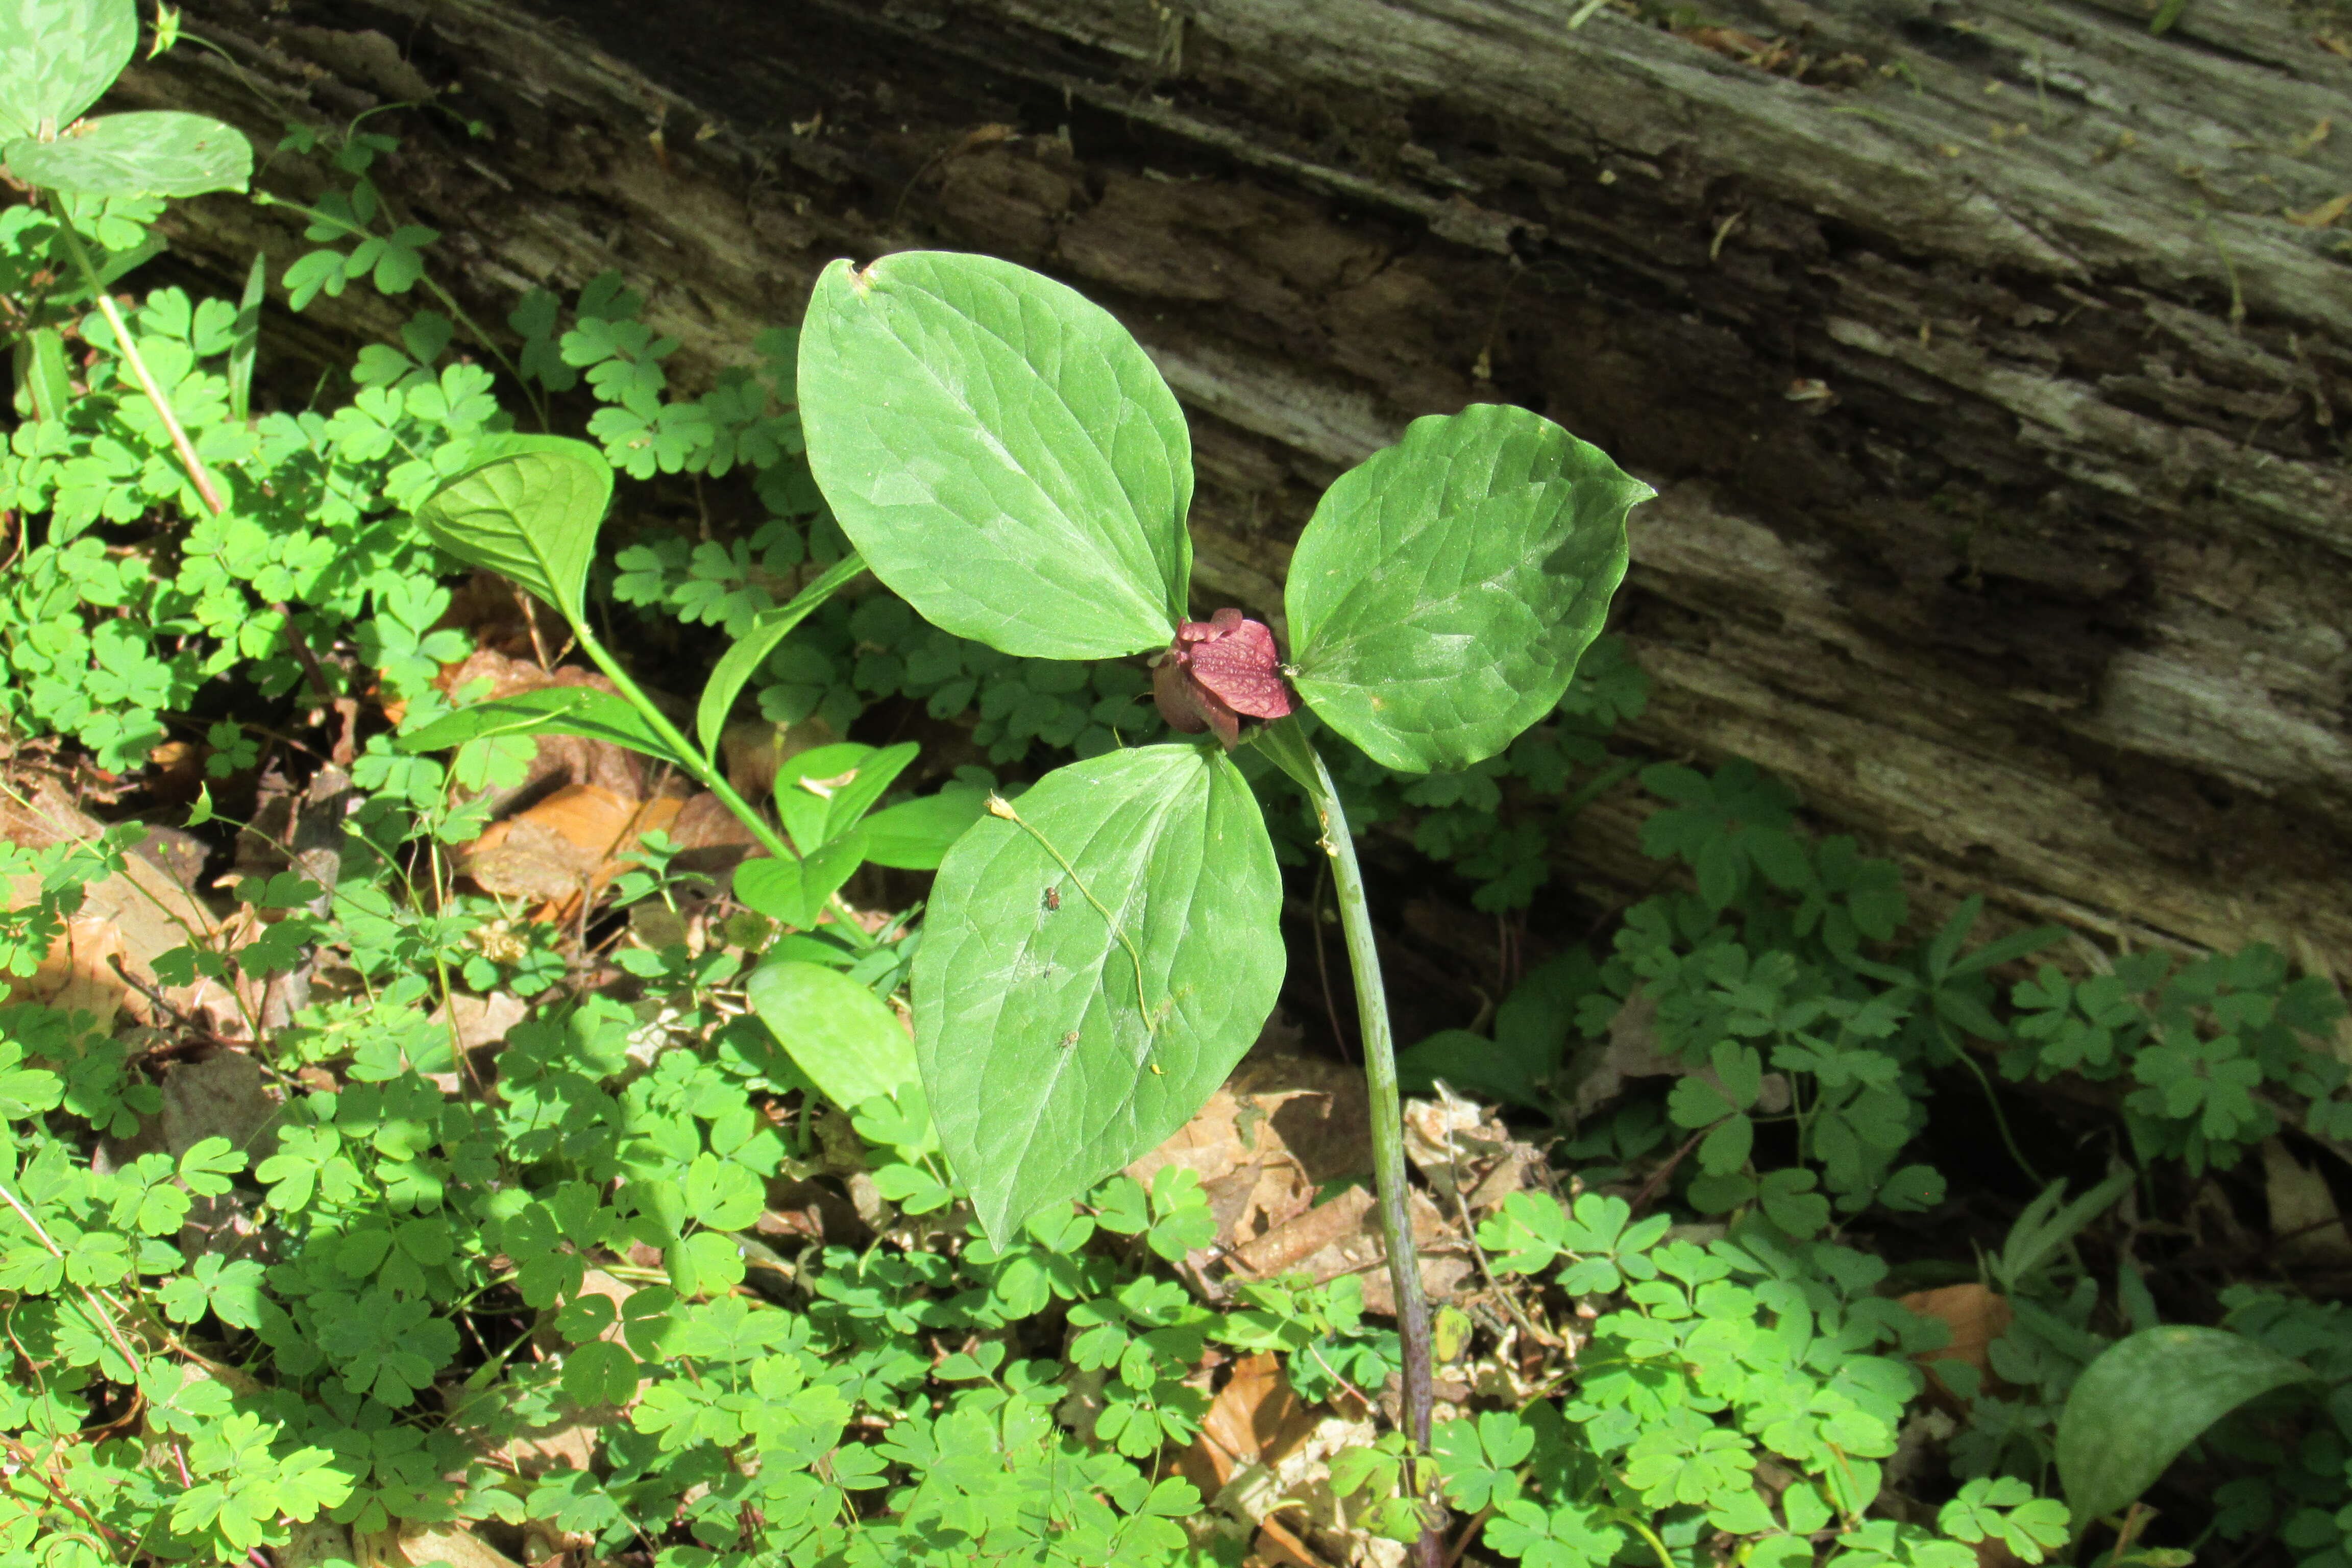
<point x="1995" y="397"/>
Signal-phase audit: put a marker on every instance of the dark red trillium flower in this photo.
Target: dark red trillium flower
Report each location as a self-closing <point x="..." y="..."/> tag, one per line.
<point x="1216" y="671"/>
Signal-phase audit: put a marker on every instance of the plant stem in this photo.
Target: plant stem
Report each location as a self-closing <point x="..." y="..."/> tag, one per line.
<point x="1388" y="1131"/>
<point x="692" y="759"/>
<point x="127" y="347"/>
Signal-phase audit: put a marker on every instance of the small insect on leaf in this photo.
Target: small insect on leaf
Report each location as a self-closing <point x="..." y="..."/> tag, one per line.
<point x="1069" y="1039"/>
<point x="1053" y="898"/>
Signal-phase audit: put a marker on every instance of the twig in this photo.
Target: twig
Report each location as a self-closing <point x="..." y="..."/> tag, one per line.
<point x="1469" y="1533"/>
<point x="1658" y="1177"/>
<point x="1486" y="1270"/>
<point x="24" y="1457"/>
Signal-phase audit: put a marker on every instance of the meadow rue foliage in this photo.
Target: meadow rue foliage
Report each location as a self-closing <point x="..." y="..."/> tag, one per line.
<point x="1216" y="671"/>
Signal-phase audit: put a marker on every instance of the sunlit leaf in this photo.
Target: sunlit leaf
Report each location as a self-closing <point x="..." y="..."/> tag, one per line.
<point x="1001" y="453"/>
<point x="150" y="153"/>
<point x="58" y="56"/>
<point x="846" y="1039"/>
<point x="551" y="711"/>
<point x="1091" y="970"/>
<point x="529" y="511"/>
<point x="1446" y="588"/>
<point x="768" y="629"/>
<point x="2148" y="1397"/>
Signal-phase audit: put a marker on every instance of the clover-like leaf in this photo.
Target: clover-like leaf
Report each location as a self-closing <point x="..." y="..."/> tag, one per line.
<point x="1447" y="586"/>
<point x="58" y="57"/>
<point x="1096" y="957"/>
<point x="149" y="152"/>
<point x="1001" y="453"/>
<point x="528" y="509"/>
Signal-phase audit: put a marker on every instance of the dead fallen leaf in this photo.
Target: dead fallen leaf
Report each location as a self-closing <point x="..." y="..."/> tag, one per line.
<point x="1277" y="1548"/>
<point x="1254" y="1418"/>
<point x="566" y="847"/>
<point x="418" y="1545"/>
<point x="1462" y="1148"/>
<point x="483" y="1020"/>
<point x="559" y="760"/>
<point x="2304" y="1220"/>
<point x="1977" y="1316"/>
<point x="134" y="915"/>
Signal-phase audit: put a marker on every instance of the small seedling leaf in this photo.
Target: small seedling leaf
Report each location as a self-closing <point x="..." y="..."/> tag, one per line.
<point x="527" y="510"/>
<point x="846" y="1039"/>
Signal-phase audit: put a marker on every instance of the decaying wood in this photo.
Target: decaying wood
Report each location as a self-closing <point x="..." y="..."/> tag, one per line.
<point x="1990" y="358"/>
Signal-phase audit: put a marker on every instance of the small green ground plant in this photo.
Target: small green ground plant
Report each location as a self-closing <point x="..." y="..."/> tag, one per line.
<point x="356" y="1323"/>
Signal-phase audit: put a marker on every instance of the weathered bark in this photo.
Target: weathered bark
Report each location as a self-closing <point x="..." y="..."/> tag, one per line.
<point x="1991" y="392"/>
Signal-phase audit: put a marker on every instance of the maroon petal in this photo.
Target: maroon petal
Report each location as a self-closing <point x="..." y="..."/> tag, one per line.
<point x="1240" y="666"/>
<point x="1171" y="691"/>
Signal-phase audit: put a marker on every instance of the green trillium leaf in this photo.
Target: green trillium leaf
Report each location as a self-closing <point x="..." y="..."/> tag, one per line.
<point x="769" y="627"/>
<point x="2148" y="1397"/>
<point x="58" y="56"/>
<point x="553" y="711"/>
<point x="846" y="1039"/>
<point x="1001" y="453"/>
<point x="1092" y="967"/>
<point x="159" y="152"/>
<point x="1446" y="588"/>
<point x="528" y="509"/>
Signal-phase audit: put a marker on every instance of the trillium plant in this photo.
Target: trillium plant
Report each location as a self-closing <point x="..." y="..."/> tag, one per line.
<point x="1100" y="953"/>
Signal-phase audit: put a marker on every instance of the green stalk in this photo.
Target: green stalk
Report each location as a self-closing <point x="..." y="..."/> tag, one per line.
<point x="127" y="347"/>
<point x="690" y="758"/>
<point x="1303" y="763"/>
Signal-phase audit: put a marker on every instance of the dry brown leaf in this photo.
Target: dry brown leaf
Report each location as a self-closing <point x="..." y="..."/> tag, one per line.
<point x="1277" y="1548"/>
<point x="1462" y="1148"/>
<point x="417" y="1546"/>
<point x="482" y="1020"/>
<point x="1343" y="1237"/>
<point x="1255" y="1418"/>
<point x="139" y="912"/>
<point x="559" y="760"/>
<point x="1327" y="1225"/>
<point x="567" y="846"/>
<point x="1976" y="1315"/>
<point x="2304" y="1220"/>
